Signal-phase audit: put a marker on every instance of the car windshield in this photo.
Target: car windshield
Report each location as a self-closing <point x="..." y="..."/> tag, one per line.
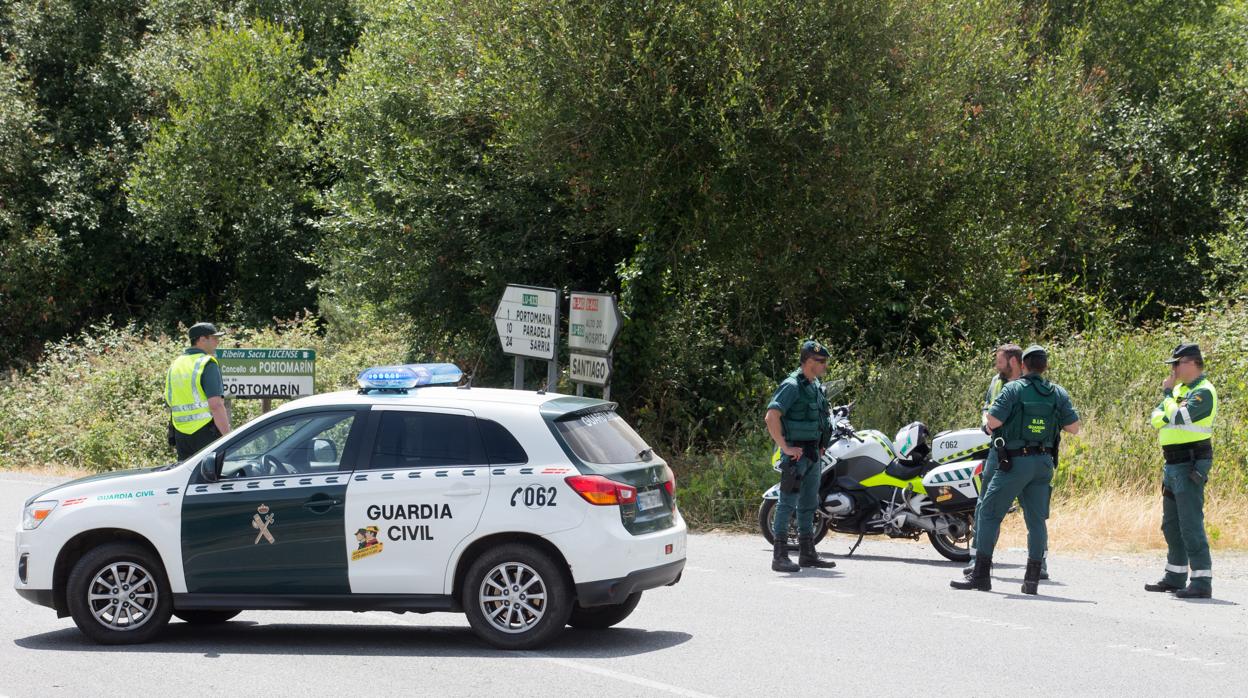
<point x="603" y="438"/>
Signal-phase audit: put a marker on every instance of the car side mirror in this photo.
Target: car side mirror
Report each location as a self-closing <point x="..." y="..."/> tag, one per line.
<point x="324" y="451"/>
<point x="210" y="466"/>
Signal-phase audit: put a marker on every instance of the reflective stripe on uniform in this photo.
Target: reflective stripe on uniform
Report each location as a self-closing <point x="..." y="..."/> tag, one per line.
<point x="1190" y="427"/>
<point x="1177" y="569"/>
<point x="1196" y="574"/>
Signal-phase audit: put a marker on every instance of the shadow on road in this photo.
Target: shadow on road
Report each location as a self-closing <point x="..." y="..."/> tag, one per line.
<point x="947" y="564"/>
<point x="248" y="637"/>
<point x="1047" y="597"/>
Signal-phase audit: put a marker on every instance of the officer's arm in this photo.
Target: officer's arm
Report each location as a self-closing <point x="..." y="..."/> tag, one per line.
<point x="1164" y="413"/>
<point x="1066" y="413"/>
<point x="220" y="417"/>
<point x="1198" y="405"/>
<point x="983" y="410"/>
<point x="1000" y="410"/>
<point x="775" y="429"/>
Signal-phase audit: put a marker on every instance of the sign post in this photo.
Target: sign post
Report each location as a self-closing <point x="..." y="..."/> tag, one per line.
<point x="266" y="374"/>
<point x="594" y="323"/>
<point x="527" y="320"/>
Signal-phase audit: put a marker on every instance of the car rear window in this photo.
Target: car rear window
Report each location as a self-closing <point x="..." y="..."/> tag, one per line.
<point x="603" y="438"/>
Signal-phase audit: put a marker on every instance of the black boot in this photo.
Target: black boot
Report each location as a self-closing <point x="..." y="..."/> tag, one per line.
<point x="1192" y="592"/>
<point x="980" y="578"/>
<point x="1162" y="587"/>
<point x="966" y="571"/>
<point x="1031" y="578"/>
<point x="806" y="555"/>
<point x="780" y="561"/>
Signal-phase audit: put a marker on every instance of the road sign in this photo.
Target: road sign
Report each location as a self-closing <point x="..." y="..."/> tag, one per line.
<point x="528" y="320"/>
<point x="593" y="323"/>
<point x="267" y="373"/>
<point x="590" y="369"/>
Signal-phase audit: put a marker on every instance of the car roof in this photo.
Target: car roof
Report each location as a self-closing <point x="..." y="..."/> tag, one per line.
<point x="448" y="396"/>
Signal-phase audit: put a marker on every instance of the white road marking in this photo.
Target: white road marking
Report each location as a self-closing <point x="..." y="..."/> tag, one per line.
<point x="982" y="621"/>
<point x="809" y="589"/>
<point x="1165" y="655"/>
<point x="621" y="676"/>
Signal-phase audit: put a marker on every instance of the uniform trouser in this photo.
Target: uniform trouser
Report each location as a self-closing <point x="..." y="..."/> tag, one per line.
<point x="990" y="469"/>
<point x="1030" y="480"/>
<point x="1183" y="523"/>
<point x="188" y="444"/>
<point x="804" y="500"/>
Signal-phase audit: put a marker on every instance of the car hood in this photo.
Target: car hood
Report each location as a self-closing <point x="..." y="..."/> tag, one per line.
<point x="92" y="479"/>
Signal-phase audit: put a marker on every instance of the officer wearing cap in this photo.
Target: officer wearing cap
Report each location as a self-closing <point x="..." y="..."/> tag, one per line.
<point x="195" y="393"/>
<point x="798" y="421"/>
<point x="1025" y="420"/>
<point x="1184" y="424"/>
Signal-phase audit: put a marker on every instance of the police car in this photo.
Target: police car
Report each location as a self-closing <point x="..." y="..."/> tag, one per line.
<point x="525" y="511"/>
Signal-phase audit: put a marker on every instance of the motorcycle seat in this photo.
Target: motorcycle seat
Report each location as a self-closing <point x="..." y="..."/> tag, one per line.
<point x="905" y="470"/>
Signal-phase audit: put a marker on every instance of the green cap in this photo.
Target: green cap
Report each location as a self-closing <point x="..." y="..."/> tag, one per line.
<point x="813" y="348"/>
<point x="1034" y="349"/>
<point x="1184" y="351"/>
<point x="203" y="329"/>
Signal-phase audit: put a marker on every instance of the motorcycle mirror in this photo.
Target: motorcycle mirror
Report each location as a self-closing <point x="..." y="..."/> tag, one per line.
<point x="833" y="388"/>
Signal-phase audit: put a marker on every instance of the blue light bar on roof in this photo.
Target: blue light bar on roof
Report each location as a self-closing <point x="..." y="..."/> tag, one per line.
<point x="407" y="376"/>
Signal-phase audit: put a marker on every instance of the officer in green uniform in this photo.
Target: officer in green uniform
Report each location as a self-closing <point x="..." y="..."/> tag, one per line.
<point x="1025" y="420"/>
<point x="797" y="420"/>
<point x="1009" y="367"/>
<point x="1184" y="423"/>
<point x="195" y="393"/>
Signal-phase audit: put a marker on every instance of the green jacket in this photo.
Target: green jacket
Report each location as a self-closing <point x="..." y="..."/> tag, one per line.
<point x="803" y="408"/>
<point x="1032" y="411"/>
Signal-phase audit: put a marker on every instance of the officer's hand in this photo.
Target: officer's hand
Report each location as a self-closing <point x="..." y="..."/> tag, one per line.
<point x="794" y="452"/>
<point x="1168" y="383"/>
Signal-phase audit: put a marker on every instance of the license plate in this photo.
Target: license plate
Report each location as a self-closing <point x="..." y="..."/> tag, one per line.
<point x="649" y="500"/>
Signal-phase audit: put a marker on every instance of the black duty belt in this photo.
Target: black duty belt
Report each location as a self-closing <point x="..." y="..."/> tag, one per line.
<point x="1186" y="453"/>
<point x="1028" y="451"/>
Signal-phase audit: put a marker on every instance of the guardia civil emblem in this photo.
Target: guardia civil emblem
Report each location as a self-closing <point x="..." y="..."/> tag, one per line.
<point x="261" y="521"/>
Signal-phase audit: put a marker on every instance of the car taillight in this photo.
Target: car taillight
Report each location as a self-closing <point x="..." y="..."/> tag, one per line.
<point x="670" y="484"/>
<point x="598" y="490"/>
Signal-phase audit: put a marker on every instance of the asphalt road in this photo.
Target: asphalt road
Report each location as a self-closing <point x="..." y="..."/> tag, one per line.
<point x="882" y="623"/>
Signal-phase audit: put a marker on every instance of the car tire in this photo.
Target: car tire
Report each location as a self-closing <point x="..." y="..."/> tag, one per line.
<point x="205" y="617"/>
<point x="602" y="617"/>
<point x="118" y="594"/>
<point x="523" y="570"/>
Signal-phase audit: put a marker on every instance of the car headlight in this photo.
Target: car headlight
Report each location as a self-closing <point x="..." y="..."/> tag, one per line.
<point x="36" y="512"/>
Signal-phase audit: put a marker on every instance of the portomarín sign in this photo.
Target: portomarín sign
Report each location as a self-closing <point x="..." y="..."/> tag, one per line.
<point x="268" y="373"/>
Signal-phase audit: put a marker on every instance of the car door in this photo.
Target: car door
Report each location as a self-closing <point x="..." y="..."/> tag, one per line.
<point x="273" y="522"/>
<point x="421" y="493"/>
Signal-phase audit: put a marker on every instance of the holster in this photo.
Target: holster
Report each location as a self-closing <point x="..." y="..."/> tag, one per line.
<point x="1004" y="464"/>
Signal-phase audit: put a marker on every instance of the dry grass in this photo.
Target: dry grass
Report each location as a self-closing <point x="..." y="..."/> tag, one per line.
<point x="1127" y="522"/>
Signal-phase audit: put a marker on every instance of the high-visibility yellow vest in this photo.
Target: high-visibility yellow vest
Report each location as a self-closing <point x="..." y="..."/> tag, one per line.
<point x="188" y="407"/>
<point x="1186" y="432"/>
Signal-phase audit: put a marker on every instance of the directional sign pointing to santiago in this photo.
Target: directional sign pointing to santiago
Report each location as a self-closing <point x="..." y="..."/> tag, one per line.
<point x="593" y="323"/>
<point x="527" y="320"/>
<point x="589" y="369"/>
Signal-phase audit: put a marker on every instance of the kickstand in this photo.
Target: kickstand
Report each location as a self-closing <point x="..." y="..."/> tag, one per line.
<point x="851" y="550"/>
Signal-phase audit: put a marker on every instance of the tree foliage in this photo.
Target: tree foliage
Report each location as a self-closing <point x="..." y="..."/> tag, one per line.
<point x="888" y="175"/>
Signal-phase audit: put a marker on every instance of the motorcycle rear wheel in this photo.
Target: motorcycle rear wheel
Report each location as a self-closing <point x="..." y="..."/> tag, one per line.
<point x="955" y="549"/>
<point x="766" y="517"/>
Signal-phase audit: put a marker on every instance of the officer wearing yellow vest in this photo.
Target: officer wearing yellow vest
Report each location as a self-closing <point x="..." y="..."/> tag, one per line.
<point x="1184" y="424"/>
<point x="195" y="393"/>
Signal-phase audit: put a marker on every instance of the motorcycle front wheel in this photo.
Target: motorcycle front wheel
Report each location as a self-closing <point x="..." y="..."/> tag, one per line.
<point x="767" y="517"/>
<point x="952" y="547"/>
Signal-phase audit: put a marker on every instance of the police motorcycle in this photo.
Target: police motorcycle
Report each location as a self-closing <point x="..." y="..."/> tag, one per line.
<point x="902" y="488"/>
